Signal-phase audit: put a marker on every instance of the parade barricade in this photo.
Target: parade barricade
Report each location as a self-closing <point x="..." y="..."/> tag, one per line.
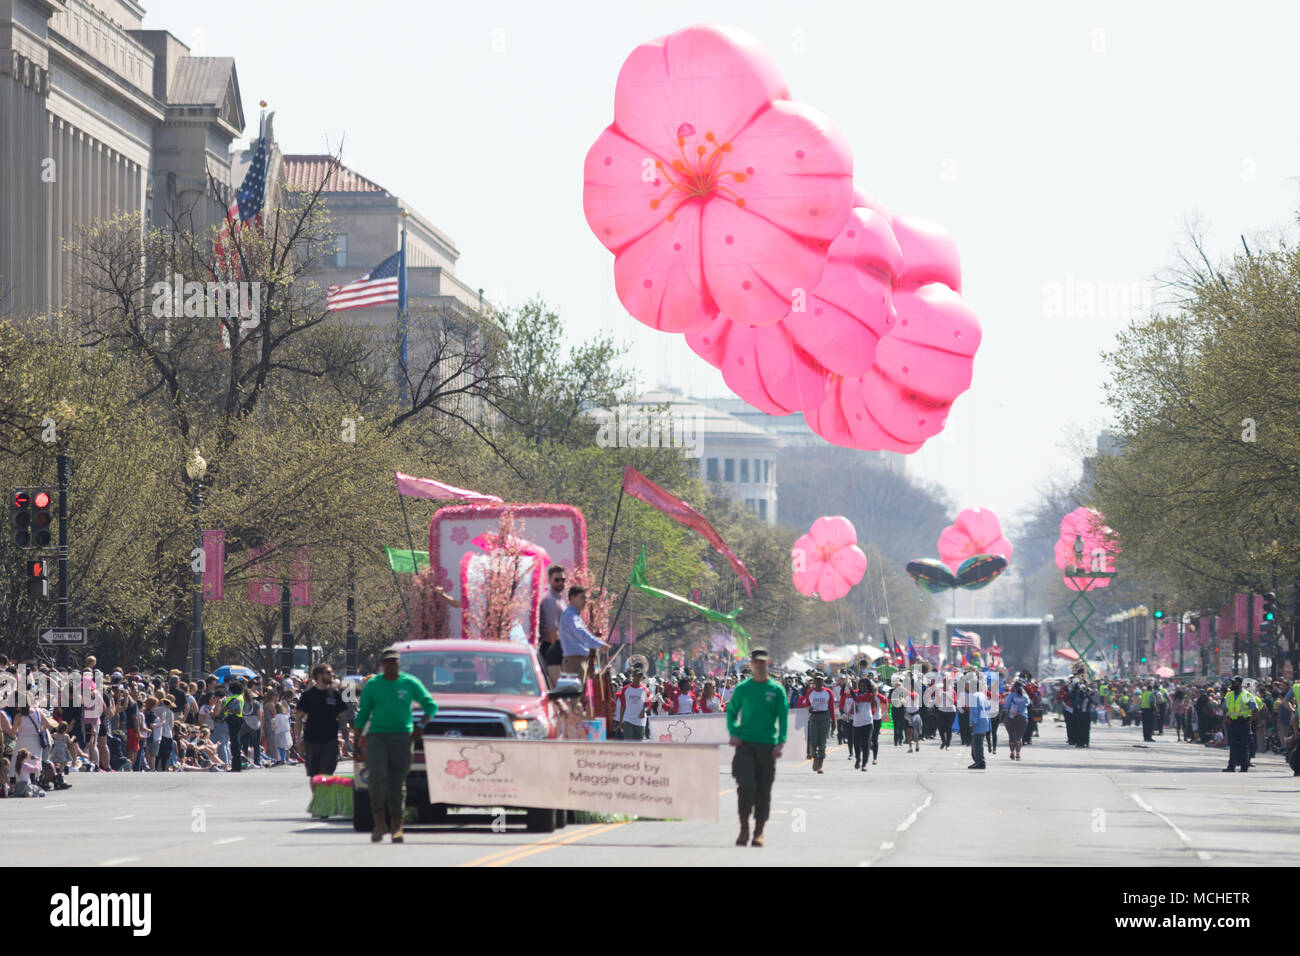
<point x="712" y="729"/>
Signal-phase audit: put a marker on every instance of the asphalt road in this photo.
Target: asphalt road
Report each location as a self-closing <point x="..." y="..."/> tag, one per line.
<point x="1117" y="803"/>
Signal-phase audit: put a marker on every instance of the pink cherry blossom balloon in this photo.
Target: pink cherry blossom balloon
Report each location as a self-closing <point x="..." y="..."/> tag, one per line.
<point x="922" y="363"/>
<point x="827" y="560"/>
<point x="976" y="531"/>
<point x="713" y="189"/>
<point x="1100" y="547"/>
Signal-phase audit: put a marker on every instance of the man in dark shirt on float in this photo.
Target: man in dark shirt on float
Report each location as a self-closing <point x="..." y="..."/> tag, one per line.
<point x="552" y="607"/>
<point x="320" y="706"/>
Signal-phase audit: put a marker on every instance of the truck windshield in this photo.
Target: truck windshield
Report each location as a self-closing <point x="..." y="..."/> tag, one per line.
<point x="459" y="672"/>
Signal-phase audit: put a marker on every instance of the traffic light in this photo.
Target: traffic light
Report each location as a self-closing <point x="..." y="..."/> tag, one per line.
<point x="41" y="519"/>
<point x="20" y="518"/>
<point x="30" y="517"/>
<point x="1268" y="626"/>
<point x="38" y="579"/>
<point x="1157" y="607"/>
<point x="1144" y="660"/>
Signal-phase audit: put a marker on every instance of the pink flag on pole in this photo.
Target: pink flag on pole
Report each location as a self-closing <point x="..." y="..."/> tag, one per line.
<point x="300" y="580"/>
<point x="263" y="588"/>
<point x="414" y="487"/>
<point x="214" y="565"/>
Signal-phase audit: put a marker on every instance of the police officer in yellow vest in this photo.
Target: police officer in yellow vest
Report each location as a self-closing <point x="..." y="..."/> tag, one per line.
<point x="1239" y="708"/>
<point x="1148" y="701"/>
<point x="232" y="711"/>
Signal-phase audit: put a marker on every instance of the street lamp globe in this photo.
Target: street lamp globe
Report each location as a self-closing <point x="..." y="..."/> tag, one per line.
<point x="196" y="467"/>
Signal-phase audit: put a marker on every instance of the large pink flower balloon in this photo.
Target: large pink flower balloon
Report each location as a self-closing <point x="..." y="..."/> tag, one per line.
<point x="786" y="367"/>
<point x="922" y="364"/>
<point x="713" y="189"/>
<point x="827" y="560"/>
<point x="976" y="531"/>
<point x="1099" y="547"/>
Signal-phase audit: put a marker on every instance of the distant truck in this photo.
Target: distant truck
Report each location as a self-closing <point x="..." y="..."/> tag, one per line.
<point x="304" y="658"/>
<point x="484" y="689"/>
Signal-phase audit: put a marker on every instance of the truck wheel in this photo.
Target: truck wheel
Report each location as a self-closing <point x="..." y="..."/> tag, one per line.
<point x="363" y="821"/>
<point x="431" y="812"/>
<point x="541" y="821"/>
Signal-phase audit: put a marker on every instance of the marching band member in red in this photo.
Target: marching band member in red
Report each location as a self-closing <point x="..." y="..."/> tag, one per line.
<point x="685" y="702"/>
<point x="710" y="702"/>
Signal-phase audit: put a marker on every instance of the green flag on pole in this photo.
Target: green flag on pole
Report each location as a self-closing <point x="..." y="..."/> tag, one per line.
<point x="639" y="582"/>
<point x="404" y="562"/>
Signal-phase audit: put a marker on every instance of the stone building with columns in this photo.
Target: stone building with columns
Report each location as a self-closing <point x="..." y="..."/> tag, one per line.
<point x="100" y="116"/>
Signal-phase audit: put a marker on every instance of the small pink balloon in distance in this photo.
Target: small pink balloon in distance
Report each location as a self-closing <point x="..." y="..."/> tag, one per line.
<point x="714" y="190"/>
<point x="1099" y="548"/>
<point x="827" y="560"/>
<point x="976" y="531"/>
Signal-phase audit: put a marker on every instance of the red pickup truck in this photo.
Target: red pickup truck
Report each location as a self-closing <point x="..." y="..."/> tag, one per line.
<point x="483" y="689"/>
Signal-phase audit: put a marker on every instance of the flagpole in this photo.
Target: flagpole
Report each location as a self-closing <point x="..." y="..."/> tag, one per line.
<point x="401" y="312"/>
<point x="415" y="560"/>
<point x="609" y="549"/>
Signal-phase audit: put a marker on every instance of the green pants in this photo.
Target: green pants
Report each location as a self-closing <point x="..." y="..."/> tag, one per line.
<point x="388" y="761"/>
<point x="754" y="768"/>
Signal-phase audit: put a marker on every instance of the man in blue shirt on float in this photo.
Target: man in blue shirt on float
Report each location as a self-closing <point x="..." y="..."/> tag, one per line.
<point x="575" y="639"/>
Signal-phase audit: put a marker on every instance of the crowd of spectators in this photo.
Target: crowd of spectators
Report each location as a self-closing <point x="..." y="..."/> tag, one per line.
<point x="55" y="723"/>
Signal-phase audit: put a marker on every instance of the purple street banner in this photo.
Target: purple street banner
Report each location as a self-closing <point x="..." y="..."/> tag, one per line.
<point x="214" y="565"/>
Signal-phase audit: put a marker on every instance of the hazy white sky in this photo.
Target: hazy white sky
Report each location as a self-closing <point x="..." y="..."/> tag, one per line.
<point x="1064" y="146"/>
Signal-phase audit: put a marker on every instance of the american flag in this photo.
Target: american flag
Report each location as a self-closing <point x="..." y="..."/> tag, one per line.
<point x="962" y="638"/>
<point x="246" y="210"/>
<point x="377" y="286"/>
<point x="995" y="654"/>
<point x="251" y="196"/>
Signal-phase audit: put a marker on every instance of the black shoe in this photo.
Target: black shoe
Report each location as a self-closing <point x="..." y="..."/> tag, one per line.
<point x="858" y="766"/>
<point x="976" y="766"/>
<point x="1229" y="769"/>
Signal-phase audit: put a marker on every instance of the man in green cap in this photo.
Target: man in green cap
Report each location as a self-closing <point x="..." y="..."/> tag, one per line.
<point x="757" y="717"/>
<point x="386" y="701"/>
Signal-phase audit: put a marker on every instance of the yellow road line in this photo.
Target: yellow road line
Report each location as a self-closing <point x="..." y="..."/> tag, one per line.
<point x="483" y="860"/>
<point x="543" y="847"/>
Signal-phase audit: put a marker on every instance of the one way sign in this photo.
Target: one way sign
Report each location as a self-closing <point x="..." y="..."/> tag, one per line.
<point x="61" y="635"/>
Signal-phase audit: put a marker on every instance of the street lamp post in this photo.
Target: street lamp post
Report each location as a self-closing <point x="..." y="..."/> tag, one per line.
<point x="197" y="469"/>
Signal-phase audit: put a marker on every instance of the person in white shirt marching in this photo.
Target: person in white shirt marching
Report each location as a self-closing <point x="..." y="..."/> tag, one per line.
<point x="820" y="701"/>
<point x="630" y="707"/>
<point x="865" y="706"/>
<point x="710" y="702"/>
<point x="686" y="702"/>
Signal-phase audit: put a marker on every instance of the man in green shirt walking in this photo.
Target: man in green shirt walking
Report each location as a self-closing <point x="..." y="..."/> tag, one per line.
<point x="757" y="715"/>
<point x="383" y="731"/>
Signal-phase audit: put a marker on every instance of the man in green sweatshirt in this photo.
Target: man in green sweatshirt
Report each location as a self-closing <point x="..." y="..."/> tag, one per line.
<point x="386" y="708"/>
<point x="757" y="715"/>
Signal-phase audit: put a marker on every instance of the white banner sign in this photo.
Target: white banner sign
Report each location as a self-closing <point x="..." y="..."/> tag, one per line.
<point x="712" y="729"/>
<point x="645" y="779"/>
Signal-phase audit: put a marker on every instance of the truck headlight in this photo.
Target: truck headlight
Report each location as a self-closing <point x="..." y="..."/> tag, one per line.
<point x="529" y="728"/>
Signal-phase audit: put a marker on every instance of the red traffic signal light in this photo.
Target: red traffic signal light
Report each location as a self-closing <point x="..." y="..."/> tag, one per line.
<point x="21" y="519"/>
<point x="38" y="585"/>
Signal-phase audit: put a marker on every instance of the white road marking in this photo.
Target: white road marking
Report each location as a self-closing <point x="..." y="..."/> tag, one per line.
<point x="125" y="816"/>
<point x="228" y="840"/>
<point x="1201" y="854"/>
<point x="272" y="800"/>
<point x="902" y="827"/>
<point x="887" y="845"/>
<point x="121" y="859"/>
